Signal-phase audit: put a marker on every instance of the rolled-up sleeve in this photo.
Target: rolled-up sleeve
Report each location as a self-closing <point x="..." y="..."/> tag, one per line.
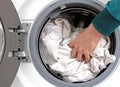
<point x="109" y="19"/>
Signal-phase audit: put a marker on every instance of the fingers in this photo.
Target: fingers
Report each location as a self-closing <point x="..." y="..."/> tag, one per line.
<point x="83" y="55"/>
<point x="80" y="54"/>
<point x="87" y="56"/>
<point x="74" y="52"/>
<point x="71" y="45"/>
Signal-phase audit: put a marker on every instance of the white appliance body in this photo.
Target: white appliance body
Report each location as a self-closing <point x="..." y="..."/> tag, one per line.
<point x="27" y="75"/>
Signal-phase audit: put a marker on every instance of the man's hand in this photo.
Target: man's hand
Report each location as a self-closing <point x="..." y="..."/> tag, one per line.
<point x="85" y="43"/>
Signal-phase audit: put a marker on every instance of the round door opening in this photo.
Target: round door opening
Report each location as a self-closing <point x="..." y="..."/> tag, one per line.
<point x="52" y="42"/>
<point x="2" y="41"/>
<point x="79" y="15"/>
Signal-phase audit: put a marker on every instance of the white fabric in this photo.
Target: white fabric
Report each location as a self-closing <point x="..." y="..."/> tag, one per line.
<point x="72" y="69"/>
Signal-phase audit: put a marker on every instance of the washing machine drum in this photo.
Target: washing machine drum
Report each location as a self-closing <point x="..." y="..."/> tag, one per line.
<point x="75" y="11"/>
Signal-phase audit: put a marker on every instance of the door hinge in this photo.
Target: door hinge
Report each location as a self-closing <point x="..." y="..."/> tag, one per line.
<point x="25" y="28"/>
<point x="18" y="42"/>
<point x="20" y="55"/>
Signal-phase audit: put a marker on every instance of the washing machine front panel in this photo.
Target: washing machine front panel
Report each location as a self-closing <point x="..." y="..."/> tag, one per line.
<point x="38" y="55"/>
<point x="9" y="47"/>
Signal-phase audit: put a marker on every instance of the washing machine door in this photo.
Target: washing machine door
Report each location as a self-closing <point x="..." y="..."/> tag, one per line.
<point x="9" y="47"/>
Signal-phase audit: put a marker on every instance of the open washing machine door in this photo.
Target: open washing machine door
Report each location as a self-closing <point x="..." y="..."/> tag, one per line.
<point x="10" y="43"/>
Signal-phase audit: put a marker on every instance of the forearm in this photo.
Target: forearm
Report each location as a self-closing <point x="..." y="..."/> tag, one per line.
<point x="106" y="22"/>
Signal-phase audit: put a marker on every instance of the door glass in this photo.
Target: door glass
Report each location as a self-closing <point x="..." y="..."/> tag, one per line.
<point x="2" y="40"/>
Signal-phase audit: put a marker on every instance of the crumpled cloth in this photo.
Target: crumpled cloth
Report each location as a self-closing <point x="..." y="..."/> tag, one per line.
<point x="56" y="37"/>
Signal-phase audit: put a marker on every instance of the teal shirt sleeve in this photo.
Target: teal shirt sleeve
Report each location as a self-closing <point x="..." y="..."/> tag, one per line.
<point x="109" y="19"/>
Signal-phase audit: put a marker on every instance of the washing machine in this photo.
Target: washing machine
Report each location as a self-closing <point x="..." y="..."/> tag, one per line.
<point x="22" y="53"/>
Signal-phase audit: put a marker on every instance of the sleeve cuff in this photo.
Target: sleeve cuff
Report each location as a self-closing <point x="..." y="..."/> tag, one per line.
<point x="105" y="23"/>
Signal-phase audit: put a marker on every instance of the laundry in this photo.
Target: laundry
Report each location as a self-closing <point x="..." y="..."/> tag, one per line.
<point x="56" y="36"/>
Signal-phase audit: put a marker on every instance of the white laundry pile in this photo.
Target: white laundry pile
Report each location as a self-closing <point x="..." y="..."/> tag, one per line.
<point x="56" y="37"/>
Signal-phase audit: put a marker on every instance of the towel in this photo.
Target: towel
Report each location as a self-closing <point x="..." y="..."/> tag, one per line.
<point x="56" y="37"/>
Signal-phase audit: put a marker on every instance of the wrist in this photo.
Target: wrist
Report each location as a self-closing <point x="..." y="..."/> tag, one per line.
<point x="94" y="32"/>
